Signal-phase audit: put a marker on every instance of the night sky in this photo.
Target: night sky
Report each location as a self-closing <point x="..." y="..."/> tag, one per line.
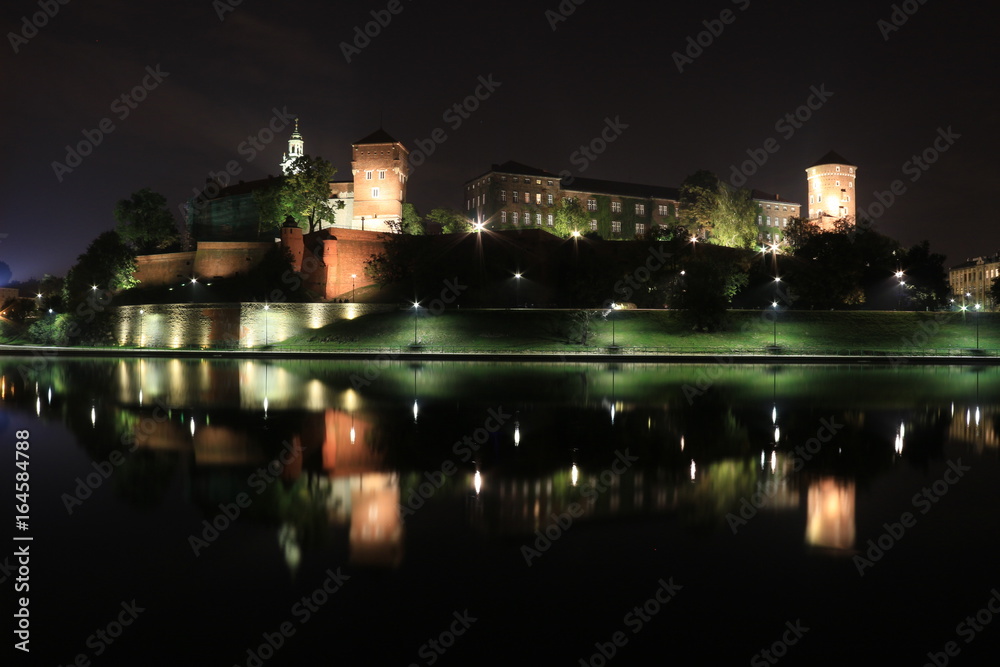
<point x="221" y="80"/>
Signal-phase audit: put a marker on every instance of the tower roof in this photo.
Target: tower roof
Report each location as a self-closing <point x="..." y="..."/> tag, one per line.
<point x="295" y="133"/>
<point x="832" y="158"/>
<point x="379" y="136"/>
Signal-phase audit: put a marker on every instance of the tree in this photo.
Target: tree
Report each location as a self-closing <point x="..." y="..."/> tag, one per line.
<point x="707" y="290"/>
<point x="305" y="193"/>
<point x="411" y="222"/>
<point x="699" y="192"/>
<point x="733" y="217"/>
<point x="145" y="223"/>
<point x="269" y="206"/>
<point x="569" y="217"/>
<point x="799" y="232"/>
<point x="925" y="276"/>
<point x="108" y="264"/>
<point x="994" y="292"/>
<point x="450" y="221"/>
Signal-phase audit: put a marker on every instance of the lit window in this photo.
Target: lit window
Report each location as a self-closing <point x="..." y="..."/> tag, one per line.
<point x="838" y="183"/>
<point x="640" y="209"/>
<point x="551" y="221"/>
<point x="538" y="181"/>
<point x="538" y="219"/>
<point x="381" y="174"/>
<point x="819" y="199"/>
<point x="838" y="168"/>
<point x="616" y="226"/>
<point x="515" y="196"/>
<point x="616" y="207"/>
<point x="515" y="217"/>
<point x="548" y="183"/>
<point x="503" y="217"/>
<point x="549" y="199"/>
<point x="760" y="220"/>
<point x="640" y="229"/>
<point x="527" y="198"/>
<point x="503" y="178"/>
<point x="375" y="193"/>
<point x="768" y="221"/>
<point x="851" y="184"/>
<point x="503" y="195"/>
<point x="591" y="204"/>
<point x="538" y="198"/>
<point x="593" y="225"/>
<point x="368" y="175"/>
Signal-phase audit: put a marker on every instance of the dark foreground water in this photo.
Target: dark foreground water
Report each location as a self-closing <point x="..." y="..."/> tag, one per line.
<point x="195" y="512"/>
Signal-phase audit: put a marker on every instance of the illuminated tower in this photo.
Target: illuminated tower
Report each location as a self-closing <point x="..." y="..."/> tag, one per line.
<point x="296" y="149"/>
<point x="831" y="182"/>
<point x="381" y="170"/>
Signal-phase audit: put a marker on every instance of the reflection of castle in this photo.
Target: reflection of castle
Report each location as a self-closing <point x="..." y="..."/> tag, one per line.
<point x="974" y="425"/>
<point x="831" y="514"/>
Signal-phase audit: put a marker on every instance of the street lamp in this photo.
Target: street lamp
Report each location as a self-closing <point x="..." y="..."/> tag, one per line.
<point x="266" y="308"/>
<point x="416" y="308"/>
<point x="353" y="277"/>
<point x="614" y="306"/>
<point x="978" y="306"/>
<point x="517" y="289"/>
<point x="141" y="322"/>
<point x="774" y="339"/>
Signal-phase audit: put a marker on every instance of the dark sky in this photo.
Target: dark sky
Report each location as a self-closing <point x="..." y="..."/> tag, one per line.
<point x="606" y="60"/>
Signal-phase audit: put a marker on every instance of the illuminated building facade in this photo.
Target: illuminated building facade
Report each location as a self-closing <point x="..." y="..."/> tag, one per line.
<point x="971" y="280"/>
<point x="831" y="182"/>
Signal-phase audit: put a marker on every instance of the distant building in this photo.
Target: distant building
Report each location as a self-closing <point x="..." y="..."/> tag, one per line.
<point x="515" y="195"/>
<point x="831" y="181"/>
<point x="971" y="280"/>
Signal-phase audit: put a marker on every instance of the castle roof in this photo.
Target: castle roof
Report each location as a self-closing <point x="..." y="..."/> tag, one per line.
<point x="636" y="190"/>
<point x="379" y="136"/>
<point x="831" y="158"/>
<point x="760" y="195"/>
<point x="512" y="167"/>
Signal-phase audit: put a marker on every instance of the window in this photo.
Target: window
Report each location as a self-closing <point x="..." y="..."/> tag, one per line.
<point x="368" y="175"/>
<point x="549" y="183"/>
<point x="538" y="198"/>
<point x="538" y="219"/>
<point x="515" y="217"/>
<point x="551" y="221"/>
<point x="527" y="198"/>
<point x="851" y="184"/>
<point x="640" y="209"/>
<point x="381" y="174"/>
<point x="784" y="208"/>
<point x="812" y="199"/>
<point x="503" y="217"/>
<point x="503" y="178"/>
<point x="851" y="170"/>
<point x="503" y="195"/>
<point x="515" y="196"/>
<point x="784" y="222"/>
<point x="662" y="209"/>
<point x="760" y="220"/>
<point x="548" y="199"/>
<point x="838" y="168"/>
<point x="768" y="221"/>
<point x="616" y="227"/>
<point x="538" y="181"/>
<point x="819" y="199"/>
<point x="837" y="183"/>
<point x="593" y="225"/>
<point x="527" y="180"/>
<point x="591" y="204"/>
<point x="616" y="207"/>
<point x="375" y="193"/>
<point x="640" y="229"/>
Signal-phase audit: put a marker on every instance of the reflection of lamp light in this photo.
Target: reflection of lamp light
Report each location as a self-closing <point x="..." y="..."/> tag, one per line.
<point x="517" y="433"/>
<point x="830" y="521"/>
<point x="478" y="482"/>
<point x="574" y="475"/>
<point x="694" y="470"/>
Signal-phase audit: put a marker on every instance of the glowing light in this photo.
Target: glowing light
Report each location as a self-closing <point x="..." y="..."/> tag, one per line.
<point x="416" y="411"/>
<point x="682" y="443"/>
<point x="93" y="287"/>
<point x="774" y="304"/>
<point x="50" y="396"/>
<point x="38" y="406"/>
<point x="192" y="426"/>
<point x="353" y="435"/>
<point x="763" y="459"/>
<point x="774" y="460"/>
<point x="576" y="233"/>
<point x="478" y="482"/>
<point x="574" y="475"/>
<point x="774" y="415"/>
<point x="977" y="415"/>
<point x="93" y="416"/>
<point x="265" y="405"/>
<point x="612" y="414"/>
<point x="777" y="434"/>
<point x="194" y="280"/>
<point x="140" y="397"/>
<point x="694" y="470"/>
<point x="517" y="433"/>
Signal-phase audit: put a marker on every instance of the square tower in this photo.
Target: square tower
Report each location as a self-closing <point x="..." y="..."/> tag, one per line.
<point x="381" y="170"/>
<point x="831" y="181"/>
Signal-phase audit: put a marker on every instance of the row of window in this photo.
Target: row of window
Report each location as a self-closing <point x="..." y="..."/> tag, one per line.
<point x="370" y="172"/>
<point x="778" y="222"/>
<point x="776" y="207"/>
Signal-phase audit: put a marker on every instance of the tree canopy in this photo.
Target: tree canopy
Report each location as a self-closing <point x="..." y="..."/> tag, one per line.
<point x="303" y="194"/>
<point x="145" y="224"/>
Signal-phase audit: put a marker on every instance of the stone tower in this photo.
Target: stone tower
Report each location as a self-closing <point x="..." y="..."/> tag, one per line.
<point x="381" y="170"/>
<point x="831" y="181"/>
<point x="296" y="149"/>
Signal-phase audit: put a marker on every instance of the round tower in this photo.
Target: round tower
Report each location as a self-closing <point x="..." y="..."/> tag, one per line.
<point x="831" y="181"/>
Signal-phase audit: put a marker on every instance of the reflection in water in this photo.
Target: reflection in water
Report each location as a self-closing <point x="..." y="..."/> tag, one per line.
<point x="354" y="453"/>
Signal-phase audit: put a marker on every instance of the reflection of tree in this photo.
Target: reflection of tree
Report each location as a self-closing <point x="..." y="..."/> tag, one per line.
<point x="143" y="478"/>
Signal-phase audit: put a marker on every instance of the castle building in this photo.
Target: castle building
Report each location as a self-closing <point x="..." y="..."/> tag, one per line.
<point x="296" y="149"/>
<point x="971" y="280"/>
<point x="381" y="169"/>
<point x="831" y="181"/>
<point x="515" y="195"/>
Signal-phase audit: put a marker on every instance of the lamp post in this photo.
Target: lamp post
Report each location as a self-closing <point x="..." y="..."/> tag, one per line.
<point x="266" y="308"/>
<point x="517" y="289"/>
<point x="416" y="307"/>
<point x="978" y="306"/>
<point x="353" y="277"/>
<point x="141" y="322"/>
<point x="613" y="307"/>
<point x="774" y="339"/>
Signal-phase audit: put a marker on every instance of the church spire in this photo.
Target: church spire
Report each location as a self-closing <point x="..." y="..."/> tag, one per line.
<point x="296" y="149"/>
